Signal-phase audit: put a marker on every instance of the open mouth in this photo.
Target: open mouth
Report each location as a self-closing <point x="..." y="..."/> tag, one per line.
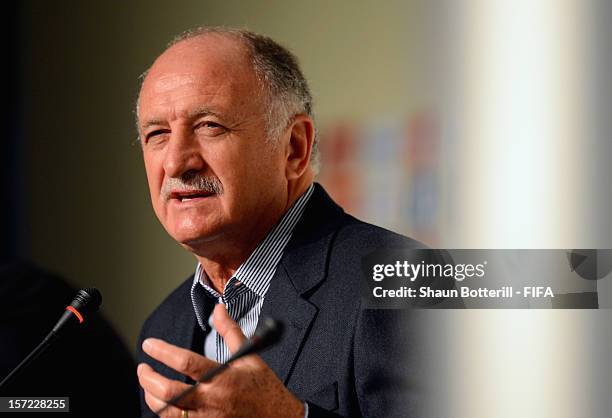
<point x="186" y="196"/>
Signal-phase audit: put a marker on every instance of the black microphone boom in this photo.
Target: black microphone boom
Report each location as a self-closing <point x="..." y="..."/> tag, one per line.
<point x="85" y="302"/>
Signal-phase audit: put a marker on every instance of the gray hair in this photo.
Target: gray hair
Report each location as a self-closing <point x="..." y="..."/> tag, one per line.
<point x="285" y="89"/>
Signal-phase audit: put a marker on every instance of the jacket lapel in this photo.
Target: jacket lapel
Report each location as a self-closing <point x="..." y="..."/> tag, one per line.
<point x="284" y="304"/>
<point x="302" y="268"/>
<point x="184" y="330"/>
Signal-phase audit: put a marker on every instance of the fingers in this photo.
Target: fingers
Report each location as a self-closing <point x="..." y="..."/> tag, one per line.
<point x="227" y="328"/>
<point x="159" y="389"/>
<point x="155" y="405"/>
<point x="169" y="411"/>
<point x="182" y="360"/>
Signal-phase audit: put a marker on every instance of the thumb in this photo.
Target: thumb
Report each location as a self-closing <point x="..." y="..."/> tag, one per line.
<point x="227" y="328"/>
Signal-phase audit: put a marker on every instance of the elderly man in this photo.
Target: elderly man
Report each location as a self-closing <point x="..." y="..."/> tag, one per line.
<point x="229" y="148"/>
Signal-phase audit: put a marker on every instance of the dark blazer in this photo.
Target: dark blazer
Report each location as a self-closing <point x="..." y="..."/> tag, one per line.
<point x="342" y="359"/>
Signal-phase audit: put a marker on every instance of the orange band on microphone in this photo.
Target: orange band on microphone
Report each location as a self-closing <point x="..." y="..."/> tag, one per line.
<point x="76" y="313"/>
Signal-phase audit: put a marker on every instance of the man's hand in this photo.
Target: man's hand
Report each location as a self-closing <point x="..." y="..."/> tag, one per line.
<point x="248" y="388"/>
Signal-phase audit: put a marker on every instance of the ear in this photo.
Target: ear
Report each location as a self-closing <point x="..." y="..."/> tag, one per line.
<point x="299" y="146"/>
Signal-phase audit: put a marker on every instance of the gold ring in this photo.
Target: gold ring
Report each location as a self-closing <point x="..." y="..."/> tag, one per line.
<point x="184" y="413"/>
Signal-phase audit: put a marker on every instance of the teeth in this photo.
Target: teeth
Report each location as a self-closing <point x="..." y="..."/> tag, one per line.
<point x="190" y="197"/>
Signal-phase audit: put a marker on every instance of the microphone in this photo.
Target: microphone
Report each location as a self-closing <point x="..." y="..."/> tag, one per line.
<point x="268" y="333"/>
<point x="84" y="303"/>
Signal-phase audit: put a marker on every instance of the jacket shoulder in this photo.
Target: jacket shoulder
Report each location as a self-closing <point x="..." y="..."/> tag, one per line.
<point x="363" y="237"/>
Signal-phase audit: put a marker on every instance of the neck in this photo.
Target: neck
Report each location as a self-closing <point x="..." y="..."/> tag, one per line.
<point x="297" y="187"/>
<point x="218" y="272"/>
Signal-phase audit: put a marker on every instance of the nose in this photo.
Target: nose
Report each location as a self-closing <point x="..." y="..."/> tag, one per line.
<point x="182" y="154"/>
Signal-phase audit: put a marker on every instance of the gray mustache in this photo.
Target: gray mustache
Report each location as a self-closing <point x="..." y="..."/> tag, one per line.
<point x="206" y="184"/>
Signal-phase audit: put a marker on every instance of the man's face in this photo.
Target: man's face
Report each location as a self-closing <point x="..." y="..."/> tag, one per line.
<point x="211" y="173"/>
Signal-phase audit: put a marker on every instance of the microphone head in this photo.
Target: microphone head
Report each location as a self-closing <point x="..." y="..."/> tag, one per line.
<point x="87" y="300"/>
<point x="269" y="332"/>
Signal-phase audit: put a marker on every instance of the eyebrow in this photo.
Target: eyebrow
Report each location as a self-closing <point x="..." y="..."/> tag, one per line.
<point x="194" y="114"/>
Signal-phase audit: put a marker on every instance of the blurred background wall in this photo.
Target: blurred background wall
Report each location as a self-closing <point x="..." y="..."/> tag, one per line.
<point x="467" y="124"/>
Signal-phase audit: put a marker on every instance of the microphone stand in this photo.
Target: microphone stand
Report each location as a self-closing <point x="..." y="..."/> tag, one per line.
<point x="40" y="348"/>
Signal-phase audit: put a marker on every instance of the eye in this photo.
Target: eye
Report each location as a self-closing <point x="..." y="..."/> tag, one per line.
<point x="156" y="135"/>
<point x="210" y="128"/>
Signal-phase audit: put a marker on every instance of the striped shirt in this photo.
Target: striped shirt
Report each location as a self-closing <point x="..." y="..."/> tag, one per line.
<point x="245" y="291"/>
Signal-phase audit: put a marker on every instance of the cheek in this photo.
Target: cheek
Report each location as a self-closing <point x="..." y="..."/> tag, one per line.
<point x="251" y="178"/>
<point x="153" y="163"/>
<point x="265" y="164"/>
<point x="155" y="178"/>
<point x="263" y="180"/>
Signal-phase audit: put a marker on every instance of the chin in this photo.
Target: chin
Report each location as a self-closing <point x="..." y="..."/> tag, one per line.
<point x="194" y="239"/>
<point x="190" y="228"/>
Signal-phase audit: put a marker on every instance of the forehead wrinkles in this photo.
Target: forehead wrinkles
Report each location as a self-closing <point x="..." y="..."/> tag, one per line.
<point x="166" y="83"/>
<point x="197" y="68"/>
<point x="185" y="98"/>
<point x="179" y="89"/>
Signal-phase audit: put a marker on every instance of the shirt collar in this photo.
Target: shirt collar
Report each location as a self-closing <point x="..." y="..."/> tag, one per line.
<point x="257" y="271"/>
